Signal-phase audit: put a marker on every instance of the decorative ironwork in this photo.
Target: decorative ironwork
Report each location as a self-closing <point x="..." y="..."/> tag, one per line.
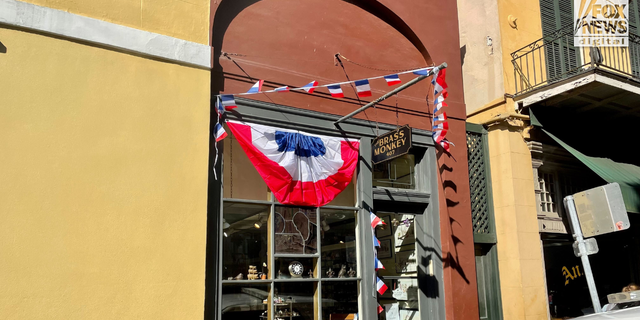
<point x="479" y="184"/>
<point x="554" y="58"/>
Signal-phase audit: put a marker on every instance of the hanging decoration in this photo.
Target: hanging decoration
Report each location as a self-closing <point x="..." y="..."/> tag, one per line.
<point x="440" y="126"/>
<point x="300" y="168"/>
<point x="219" y="132"/>
<point x="363" y="87"/>
<point x="381" y="287"/>
<point x="256" y="87"/>
<point x="392" y="79"/>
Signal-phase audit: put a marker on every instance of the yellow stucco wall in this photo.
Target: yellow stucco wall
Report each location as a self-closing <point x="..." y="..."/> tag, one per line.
<point x="183" y="19"/>
<point x="528" y="29"/>
<point x="103" y="197"/>
<point x="520" y="262"/>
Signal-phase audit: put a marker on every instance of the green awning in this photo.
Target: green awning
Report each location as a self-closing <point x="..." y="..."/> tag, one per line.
<point x="626" y="175"/>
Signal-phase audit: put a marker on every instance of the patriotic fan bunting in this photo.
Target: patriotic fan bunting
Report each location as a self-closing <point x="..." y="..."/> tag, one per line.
<point x="335" y="91"/>
<point x="256" y="87"/>
<point x="300" y="168"/>
<point x="392" y="79"/>
<point x="220" y="133"/>
<point x="381" y="287"/>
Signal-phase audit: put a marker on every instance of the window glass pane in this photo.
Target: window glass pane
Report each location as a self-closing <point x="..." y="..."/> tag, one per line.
<point x="245" y="241"/>
<point x="338" y="238"/>
<point x="397" y="250"/>
<point x="395" y="173"/>
<point x="246" y="301"/>
<point x="398" y="254"/>
<point x="295" y="230"/>
<point x="401" y="299"/>
<point x="241" y="179"/>
<point x="292" y="268"/>
<point x="298" y="298"/>
<point x="339" y="300"/>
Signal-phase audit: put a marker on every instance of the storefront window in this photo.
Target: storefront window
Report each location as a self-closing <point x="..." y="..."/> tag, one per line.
<point x="244" y="301"/>
<point x="245" y="241"/>
<point x="281" y="258"/>
<point x="298" y="300"/>
<point x="398" y="254"/>
<point x="396" y="173"/>
<point x="295" y="230"/>
<point x="241" y="179"/>
<point x="338" y="229"/>
<point x="339" y="300"/>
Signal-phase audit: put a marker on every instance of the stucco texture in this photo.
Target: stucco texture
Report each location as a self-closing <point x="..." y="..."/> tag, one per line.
<point x="104" y="168"/>
<point x="182" y="19"/>
<point x="520" y="261"/>
<point x="481" y="57"/>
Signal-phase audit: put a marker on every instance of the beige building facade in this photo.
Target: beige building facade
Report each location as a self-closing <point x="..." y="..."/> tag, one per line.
<point x="490" y="31"/>
<point x="531" y="65"/>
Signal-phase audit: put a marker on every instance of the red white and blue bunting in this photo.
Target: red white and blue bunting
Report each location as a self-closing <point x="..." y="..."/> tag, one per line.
<point x="363" y="86"/>
<point x="300" y="168"/>
<point x="381" y="288"/>
<point x="439" y="124"/>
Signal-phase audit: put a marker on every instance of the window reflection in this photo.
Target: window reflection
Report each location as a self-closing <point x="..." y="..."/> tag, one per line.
<point x="399" y="256"/>
<point x="245" y="301"/>
<point x="395" y="173"/>
<point x="245" y="228"/>
<point x="338" y="234"/>
<point x="339" y="300"/>
<point x="297" y="298"/>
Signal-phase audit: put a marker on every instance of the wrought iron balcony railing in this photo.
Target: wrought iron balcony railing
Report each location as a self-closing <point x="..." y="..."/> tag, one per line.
<point x="554" y="58"/>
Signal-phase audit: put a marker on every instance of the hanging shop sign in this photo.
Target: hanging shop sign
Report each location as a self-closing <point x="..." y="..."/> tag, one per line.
<point x="391" y="145"/>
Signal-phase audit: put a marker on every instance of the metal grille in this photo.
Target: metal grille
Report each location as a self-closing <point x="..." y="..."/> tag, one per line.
<point x="478" y="183"/>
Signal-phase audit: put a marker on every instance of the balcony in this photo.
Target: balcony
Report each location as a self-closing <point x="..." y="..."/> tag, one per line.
<point x="553" y="59"/>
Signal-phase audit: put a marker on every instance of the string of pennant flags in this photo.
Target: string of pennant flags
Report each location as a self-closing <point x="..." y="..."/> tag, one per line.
<point x="440" y="126"/>
<point x="381" y="287"/>
<point x="363" y="88"/>
<point x="439" y="123"/>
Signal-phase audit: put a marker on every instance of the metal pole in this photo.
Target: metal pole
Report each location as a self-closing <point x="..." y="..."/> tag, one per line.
<point x="389" y="94"/>
<point x="570" y="205"/>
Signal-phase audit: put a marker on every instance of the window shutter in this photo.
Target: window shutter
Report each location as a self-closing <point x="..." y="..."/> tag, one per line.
<point x="561" y="55"/>
<point x="634" y="54"/>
